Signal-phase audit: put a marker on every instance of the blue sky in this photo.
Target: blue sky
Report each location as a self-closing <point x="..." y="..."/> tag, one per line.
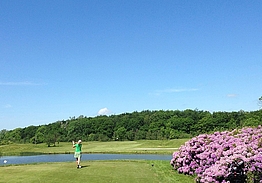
<point x="64" y="58"/>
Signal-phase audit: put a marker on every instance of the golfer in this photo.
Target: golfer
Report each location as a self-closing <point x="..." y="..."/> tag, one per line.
<point x="78" y="152"/>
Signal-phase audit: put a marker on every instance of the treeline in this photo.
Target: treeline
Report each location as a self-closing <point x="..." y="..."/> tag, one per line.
<point x="148" y="125"/>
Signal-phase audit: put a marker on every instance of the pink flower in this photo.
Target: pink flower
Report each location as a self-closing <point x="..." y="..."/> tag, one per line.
<point x="208" y="155"/>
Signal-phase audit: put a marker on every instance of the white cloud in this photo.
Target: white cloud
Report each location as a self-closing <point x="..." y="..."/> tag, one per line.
<point x="175" y="90"/>
<point x="178" y="90"/>
<point x="23" y="83"/>
<point x="104" y="111"/>
<point x="7" y="106"/>
<point x="231" y="95"/>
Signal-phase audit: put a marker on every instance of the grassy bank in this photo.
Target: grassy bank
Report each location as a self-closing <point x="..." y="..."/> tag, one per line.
<point x="128" y="171"/>
<point x="143" y="146"/>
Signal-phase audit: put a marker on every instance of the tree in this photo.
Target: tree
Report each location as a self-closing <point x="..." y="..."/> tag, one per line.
<point x="140" y="134"/>
<point x="120" y="133"/>
<point x="39" y="135"/>
<point x="49" y="139"/>
<point x="260" y="102"/>
<point x="28" y="133"/>
<point x="251" y="122"/>
<point x="134" y="126"/>
<point x="2" y="135"/>
<point x="14" y="135"/>
<point x="205" y="124"/>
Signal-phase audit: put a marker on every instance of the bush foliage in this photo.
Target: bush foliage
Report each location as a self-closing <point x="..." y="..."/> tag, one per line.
<point x="208" y="156"/>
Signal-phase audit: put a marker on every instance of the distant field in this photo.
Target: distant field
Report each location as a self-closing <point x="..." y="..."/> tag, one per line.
<point x="143" y="146"/>
<point x="133" y="171"/>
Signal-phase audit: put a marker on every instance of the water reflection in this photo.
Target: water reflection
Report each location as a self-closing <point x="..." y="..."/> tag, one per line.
<point x="30" y="153"/>
<point x="69" y="157"/>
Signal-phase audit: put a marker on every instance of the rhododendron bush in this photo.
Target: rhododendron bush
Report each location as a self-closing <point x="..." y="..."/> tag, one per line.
<point x="208" y="155"/>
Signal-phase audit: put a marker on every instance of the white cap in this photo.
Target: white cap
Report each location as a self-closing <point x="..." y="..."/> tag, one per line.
<point x="79" y="141"/>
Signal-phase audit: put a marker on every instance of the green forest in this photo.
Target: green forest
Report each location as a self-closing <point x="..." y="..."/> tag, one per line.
<point x="144" y="125"/>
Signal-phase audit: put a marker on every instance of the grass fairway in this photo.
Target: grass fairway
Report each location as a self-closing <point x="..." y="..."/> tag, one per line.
<point x="141" y="146"/>
<point x="124" y="171"/>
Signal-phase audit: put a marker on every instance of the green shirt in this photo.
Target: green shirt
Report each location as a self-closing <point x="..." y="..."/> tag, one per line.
<point x="78" y="147"/>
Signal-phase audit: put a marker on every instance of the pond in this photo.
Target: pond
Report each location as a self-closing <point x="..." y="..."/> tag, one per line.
<point x="11" y="160"/>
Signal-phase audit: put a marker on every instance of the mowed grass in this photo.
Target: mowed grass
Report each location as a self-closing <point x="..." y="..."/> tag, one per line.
<point x="142" y="146"/>
<point x="116" y="171"/>
<point x="122" y="171"/>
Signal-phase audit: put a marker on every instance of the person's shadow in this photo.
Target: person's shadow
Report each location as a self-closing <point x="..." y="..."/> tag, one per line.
<point x="84" y="166"/>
